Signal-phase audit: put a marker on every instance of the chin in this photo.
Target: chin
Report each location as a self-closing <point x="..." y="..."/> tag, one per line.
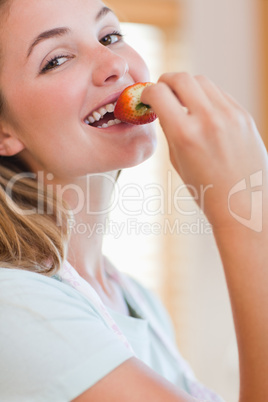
<point x="141" y="149"/>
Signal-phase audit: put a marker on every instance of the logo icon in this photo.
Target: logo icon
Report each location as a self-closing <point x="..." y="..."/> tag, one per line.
<point x="255" y="220"/>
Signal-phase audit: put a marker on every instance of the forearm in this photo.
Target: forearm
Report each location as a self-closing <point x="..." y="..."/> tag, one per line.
<point x="245" y="256"/>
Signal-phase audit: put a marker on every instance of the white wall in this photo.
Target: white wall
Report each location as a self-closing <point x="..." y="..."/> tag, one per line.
<point x="223" y="39"/>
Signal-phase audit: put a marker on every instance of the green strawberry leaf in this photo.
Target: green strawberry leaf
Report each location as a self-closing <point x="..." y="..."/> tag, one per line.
<point x="142" y="106"/>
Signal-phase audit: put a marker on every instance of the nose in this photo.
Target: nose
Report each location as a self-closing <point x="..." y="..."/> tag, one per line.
<point x="109" y="67"/>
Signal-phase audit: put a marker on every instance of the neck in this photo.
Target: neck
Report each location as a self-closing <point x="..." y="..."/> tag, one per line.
<point x="90" y="203"/>
<point x="89" y="198"/>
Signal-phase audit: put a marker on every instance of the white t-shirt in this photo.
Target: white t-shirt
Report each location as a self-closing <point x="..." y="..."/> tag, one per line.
<point x="54" y="344"/>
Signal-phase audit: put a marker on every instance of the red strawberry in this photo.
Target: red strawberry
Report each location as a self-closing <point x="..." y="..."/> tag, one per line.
<point x="129" y="107"/>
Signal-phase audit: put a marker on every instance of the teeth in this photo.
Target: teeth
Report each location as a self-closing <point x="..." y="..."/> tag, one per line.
<point x="98" y="114"/>
<point x="110" y="123"/>
<point x="110" y="108"/>
<point x="102" y="111"/>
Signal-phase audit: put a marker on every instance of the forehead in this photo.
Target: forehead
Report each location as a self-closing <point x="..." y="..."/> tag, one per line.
<point x="26" y="19"/>
<point x="48" y="10"/>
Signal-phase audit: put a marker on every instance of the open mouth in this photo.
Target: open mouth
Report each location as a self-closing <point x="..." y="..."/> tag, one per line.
<point x="103" y="117"/>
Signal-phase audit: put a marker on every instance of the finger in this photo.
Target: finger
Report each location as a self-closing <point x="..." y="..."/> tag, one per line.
<point x="215" y="95"/>
<point x="166" y="105"/>
<point x="188" y="91"/>
<point x="233" y="102"/>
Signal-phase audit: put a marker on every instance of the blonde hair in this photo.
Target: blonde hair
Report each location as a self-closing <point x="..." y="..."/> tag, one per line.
<point x="32" y="241"/>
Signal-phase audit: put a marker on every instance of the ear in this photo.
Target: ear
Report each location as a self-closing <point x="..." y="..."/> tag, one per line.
<point x="9" y="144"/>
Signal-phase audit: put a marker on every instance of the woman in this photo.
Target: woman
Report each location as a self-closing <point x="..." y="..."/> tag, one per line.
<point x="67" y="314"/>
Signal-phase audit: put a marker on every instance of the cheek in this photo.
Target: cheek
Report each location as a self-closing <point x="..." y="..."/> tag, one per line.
<point x="59" y="95"/>
<point x="39" y="104"/>
<point x="137" y="66"/>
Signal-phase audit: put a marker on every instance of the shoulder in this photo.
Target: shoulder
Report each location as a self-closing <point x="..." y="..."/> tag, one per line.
<point x="32" y="288"/>
<point x="53" y="341"/>
<point x="26" y="294"/>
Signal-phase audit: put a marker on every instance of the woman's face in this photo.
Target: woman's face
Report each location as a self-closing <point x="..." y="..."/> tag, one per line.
<point x="63" y="60"/>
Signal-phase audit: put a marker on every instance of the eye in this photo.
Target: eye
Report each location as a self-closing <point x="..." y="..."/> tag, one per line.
<point x="111" y="38"/>
<point x="55" y="62"/>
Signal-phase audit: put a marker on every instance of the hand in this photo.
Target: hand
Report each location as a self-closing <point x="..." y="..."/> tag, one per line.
<point x="215" y="144"/>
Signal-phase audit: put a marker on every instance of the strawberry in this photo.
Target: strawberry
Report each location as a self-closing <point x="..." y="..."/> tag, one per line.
<point x="129" y="107"/>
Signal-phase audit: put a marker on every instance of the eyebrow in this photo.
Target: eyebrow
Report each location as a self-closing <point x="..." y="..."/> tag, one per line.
<point x="52" y="33"/>
<point x="103" y="12"/>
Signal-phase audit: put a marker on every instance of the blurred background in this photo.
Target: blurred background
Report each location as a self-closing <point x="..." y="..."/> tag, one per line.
<point x="156" y="232"/>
